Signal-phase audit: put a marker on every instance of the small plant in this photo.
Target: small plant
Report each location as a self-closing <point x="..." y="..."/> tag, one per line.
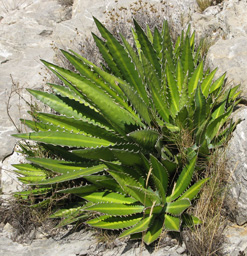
<point x="204" y="4"/>
<point x="129" y="136"/>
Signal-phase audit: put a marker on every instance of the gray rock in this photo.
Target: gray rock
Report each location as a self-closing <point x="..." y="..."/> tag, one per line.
<point x="235" y="241"/>
<point x="227" y="20"/>
<point x="79" y="243"/>
<point x="236" y="154"/>
<point x="9" y="181"/>
<point x="230" y="56"/>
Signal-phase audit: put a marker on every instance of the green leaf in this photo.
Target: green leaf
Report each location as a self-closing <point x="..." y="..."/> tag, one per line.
<point x="64" y="139"/>
<point x="195" y="79"/>
<point x="217" y="84"/>
<point x="147" y="138"/>
<point x="157" y="43"/>
<point x="178" y="207"/>
<point x="107" y="55"/>
<point x="101" y="153"/>
<point x="172" y="223"/>
<point x="186" y="58"/>
<point x="146" y="197"/>
<point x="154" y="231"/>
<point x="137" y="102"/>
<point x="67" y="92"/>
<point x="73" y="175"/>
<point x="207" y="83"/>
<point x="72" y="219"/>
<point x="28" y="169"/>
<point x="58" y="166"/>
<point x="85" y="189"/>
<point x="110" y="222"/>
<point x="179" y="76"/>
<point x="193" y="190"/>
<point x="78" y="126"/>
<point x="126" y="157"/>
<point x="215" y="125"/>
<point x="189" y="220"/>
<point x="160" y="172"/>
<point x="147" y="48"/>
<point x="109" y="197"/>
<point x="116" y="209"/>
<point x="63" y="213"/>
<point x="137" y="43"/>
<point x="149" y="34"/>
<point x="39" y="126"/>
<point x="200" y="107"/>
<point x="220" y="110"/>
<point x="56" y="103"/>
<point x="122" y="59"/>
<point x="31" y="179"/>
<point x="130" y="185"/>
<point x="104" y="181"/>
<point x="139" y="227"/>
<point x="184" y="180"/>
<point x="173" y="89"/>
<point x="119" y="118"/>
<point x="33" y="192"/>
<point x="86" y="71"/>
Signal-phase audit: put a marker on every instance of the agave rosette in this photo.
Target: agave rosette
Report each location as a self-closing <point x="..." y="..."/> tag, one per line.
<point x="132" y="130"/>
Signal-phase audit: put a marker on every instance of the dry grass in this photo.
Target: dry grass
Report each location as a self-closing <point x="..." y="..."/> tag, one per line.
<point x="204" y="4"/>
<point x="207" y="238"/>
<point x="120" y="20"/>
<point x="23" y="218"/>
<point x="66" y="3"/>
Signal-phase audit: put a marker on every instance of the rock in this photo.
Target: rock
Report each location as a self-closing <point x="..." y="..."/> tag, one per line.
<point x="227" y="20"/>
<point x="236" y="153"/>
<point x="82" y="243"/>
<point x="10" y="248"/>
<point x="235" y="241"/>
<point x="9" y="181"/>
<point x="9" y="231"/>
<point x="230" y="56"/>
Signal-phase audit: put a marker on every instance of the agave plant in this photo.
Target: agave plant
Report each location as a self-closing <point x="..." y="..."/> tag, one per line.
<point x="129" y="134"/>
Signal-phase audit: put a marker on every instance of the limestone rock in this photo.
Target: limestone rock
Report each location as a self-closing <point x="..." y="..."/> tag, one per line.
<point x="237" y="158"/>
<point x="9" y="181"/>
<point x="227" y="20"/>
<point x="235" y="241"/>
<point x="81" y="243"/>
<point x="230" y="56"/>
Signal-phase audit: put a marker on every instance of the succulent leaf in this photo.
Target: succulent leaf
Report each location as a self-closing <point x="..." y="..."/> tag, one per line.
<point x="178" y="207"/>
<point x="116" y="209"/>
<point x="154" y="231"/>
<point x="172" y="223"/>
<point x="183" y="181"/>
<point x="139" y="227"/>
<point x="114" y="222"/>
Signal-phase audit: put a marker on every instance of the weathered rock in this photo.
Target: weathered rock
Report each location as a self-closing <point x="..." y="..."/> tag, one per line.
<point x="226" y="20"/>
<point x="9" y="181"/>
<point x="230" y="56"/>
<point x="235" y="241"/>
<point x="225" y="27"/>
<point x="80" y="243"/>
<point x="236" y="154"/>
